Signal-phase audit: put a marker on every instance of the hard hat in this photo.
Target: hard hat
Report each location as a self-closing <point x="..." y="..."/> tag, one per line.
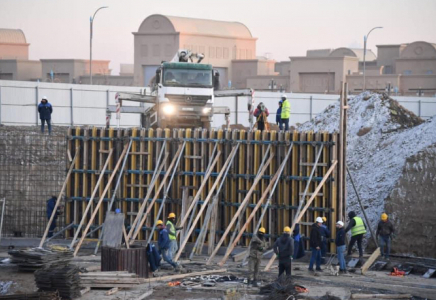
<point x="340" y="223"/>
<point x="159" y="222"/>
<point x="287" y="229"/>
<point x="117" y="211"/>
<point x="384" y="216"/>
<point x="262" y="230"/>
<point x="324" y="219"/>
<point x="44" y="97"/>
<point x="319" y="220"/>
<point x="171" y="215"/>
<point x="284" y="96"/>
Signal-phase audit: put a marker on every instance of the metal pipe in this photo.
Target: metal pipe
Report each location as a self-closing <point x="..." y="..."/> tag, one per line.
<point x="365" y="39"/>
<point x="91" y="21"/>
<point x="59" y="232"/>
<point x="1" y="222"/>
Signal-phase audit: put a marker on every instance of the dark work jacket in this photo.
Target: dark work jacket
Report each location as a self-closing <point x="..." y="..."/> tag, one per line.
<point x="284" y="248"/>
<point x="45" y="110"/>
<point x="154" y="257"/>
<point x="164" y="239"/>
<point x="385" y="228"/>
<point x="257" y="247"/>
<point x="51" y="203"/>
<point x="278" y="115"/>
<point x="325" y="232"/>
<point x="315" y="236"/>
<point x="340" y="237"/>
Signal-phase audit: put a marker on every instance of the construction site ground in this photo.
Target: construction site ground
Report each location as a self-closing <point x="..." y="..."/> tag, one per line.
<point x="319" y="284"/>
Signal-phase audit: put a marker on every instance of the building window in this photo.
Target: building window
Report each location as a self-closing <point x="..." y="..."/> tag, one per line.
<point x="156" y="50"/>
<point x="144" y="50"/>
<point x="226" y="53"/>
<point x="429" y="72"/>
<point x="219" y="52"/>
<point x="212" y="52"/>
<point x="407" y="72"/>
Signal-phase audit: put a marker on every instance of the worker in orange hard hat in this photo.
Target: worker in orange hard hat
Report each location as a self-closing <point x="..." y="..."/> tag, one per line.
<point x="172" y="232"/>
<point x="385" y="233"/>
<point x="164" y="243"/>
<point x="284" y="249"/>
<point x="257" y="246"/>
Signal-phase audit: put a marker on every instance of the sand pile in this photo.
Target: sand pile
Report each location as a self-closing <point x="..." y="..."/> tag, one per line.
<point x="381" y="136"/>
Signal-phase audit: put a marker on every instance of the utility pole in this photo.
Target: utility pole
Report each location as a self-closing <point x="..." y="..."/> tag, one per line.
<point x="91" y="21"/>
<point x="365" y="39"/>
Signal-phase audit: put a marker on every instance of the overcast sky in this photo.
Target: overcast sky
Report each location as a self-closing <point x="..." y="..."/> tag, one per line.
<point x="60" y="28"/>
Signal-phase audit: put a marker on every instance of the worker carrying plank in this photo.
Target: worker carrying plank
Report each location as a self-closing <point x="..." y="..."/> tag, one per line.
<point x="358" y="229"/>
<point x="172" y="232"/>
<point x="284" y="249"/>
<point x="257" y="246"/>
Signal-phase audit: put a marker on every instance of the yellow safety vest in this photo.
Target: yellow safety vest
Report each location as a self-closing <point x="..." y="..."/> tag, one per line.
<point x="172" y="231"/>
<point x="359" y="228"/>
<point x="286" y="110"/>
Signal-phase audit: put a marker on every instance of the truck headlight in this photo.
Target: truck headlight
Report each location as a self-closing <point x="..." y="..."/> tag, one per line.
<point x="168" y="109"/>
<point x="206" y="110"/>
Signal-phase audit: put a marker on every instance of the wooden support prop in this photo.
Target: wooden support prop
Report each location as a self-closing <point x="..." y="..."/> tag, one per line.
<point x="59" y="198"/>
<point x="147" y="196"/>
<point x="198" y="195"/>
<point x="125" y="237"/>
<point x="239" y="211"/>
<point x="303" y="211"/>
<point x="156" y="194"/>
<point x="145" y="295"/>
<point x="88" y="207"/>
<point x="370" y="261"/>
<point x="206" y="201"/>
<point x="100" y="201"/>
<point x="381" y="296"/>
<point x="112" y="291"/>
<point x="271" y="187"/>
<point x="179" y="276"/>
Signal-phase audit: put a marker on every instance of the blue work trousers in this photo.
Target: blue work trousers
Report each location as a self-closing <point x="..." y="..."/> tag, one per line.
<point x="316" y="257"/>
<point x="341" y="257"/>
<point x="384" y="241"/>
<point x="48" y="125"/>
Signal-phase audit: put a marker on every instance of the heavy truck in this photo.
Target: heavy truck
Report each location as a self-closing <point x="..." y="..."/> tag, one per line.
<point x="181" y="95"/>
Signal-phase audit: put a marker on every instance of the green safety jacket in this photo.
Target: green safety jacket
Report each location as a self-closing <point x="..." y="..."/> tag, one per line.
<point x="171" y="230"/>
<point x="286" y="109"/>
<point x="359" y="228"/>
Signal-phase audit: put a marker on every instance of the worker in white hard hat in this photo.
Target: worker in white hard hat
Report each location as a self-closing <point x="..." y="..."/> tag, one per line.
<point x="340" y="246"/>
<point x="45" y="110"/>
<point x="286" y="113"/>
<point x="257" y="246"/>
<point x="315" y="244"/>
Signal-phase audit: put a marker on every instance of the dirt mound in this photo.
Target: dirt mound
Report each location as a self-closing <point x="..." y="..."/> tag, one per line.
<point x="381" y="136"/>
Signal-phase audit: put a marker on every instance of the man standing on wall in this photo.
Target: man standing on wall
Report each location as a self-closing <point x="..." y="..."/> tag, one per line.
<point x="286" y="112"/>
<point x="358" y="229"/>
<point x="172" y="232"/>
<point x="261" y="113"/>
<point x="45" y="110"/>
<point x="279" y="116"/>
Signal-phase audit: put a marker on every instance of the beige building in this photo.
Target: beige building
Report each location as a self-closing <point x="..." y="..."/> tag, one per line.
<point x="13" y="44"/>
<point x="160" y="37"/>
<point x="70" y="70"/>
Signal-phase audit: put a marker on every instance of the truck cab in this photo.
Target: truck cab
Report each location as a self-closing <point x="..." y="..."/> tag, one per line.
<point x="185" y="94"/>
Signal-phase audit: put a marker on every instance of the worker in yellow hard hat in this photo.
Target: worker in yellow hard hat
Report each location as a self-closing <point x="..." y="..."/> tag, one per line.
<point x="284" y="249"/>
<point x="325" y="235"/>
<point x="257" y="246"/>
<point x="164" y="243"/>
<point x="385" y="233"/>
<point x="172" y="231"/>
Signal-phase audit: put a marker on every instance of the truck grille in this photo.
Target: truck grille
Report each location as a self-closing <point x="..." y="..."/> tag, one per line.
<point x="188" y="99"/>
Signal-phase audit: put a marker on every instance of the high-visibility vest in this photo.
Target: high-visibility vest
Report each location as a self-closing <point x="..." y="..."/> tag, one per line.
<point x="286" y="109"/>
<point x="172" y="231"/>
<point x="359" y="228"/>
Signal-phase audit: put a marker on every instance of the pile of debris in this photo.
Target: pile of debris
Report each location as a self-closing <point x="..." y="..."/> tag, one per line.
<point x="33" y="296"/>
<point x="282" y="289"/>
<point x="381" y="136"/>
<point x="65" y="280"/>
<point x="37" y="258"/>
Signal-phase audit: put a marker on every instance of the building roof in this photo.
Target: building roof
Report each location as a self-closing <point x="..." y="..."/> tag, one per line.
<point x="343" y="51"/>
<point x="200" y="26"/>
<point x="12" y="36"/>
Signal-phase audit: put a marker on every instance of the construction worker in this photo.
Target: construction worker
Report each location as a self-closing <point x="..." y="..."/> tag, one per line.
<point x="286" y="112"/>
<point x="298" y="243"/>
<point x="172" y="232"/>
<point x="261" y="113"/>
<point x="45" y="110"/>
<point x="315" y="244"/>
<point x="385" y="233"/>
<point x="340" y="246"/>
<point x="284" y="249"/>
<point x="51" y="203"/>
<point x="279" y="115"/>
<point x="325" y="235"/>
<point x="358" y="229"/>
<point x="164" y="243"/>
<point x="257" y="246"/>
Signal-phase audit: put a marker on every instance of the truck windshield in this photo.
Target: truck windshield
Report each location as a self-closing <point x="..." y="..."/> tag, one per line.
<point x="187" y="78"/>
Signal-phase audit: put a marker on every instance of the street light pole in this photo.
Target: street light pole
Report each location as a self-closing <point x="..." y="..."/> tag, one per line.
<point x="365" y="38"/>
<point x="91" y="21"/>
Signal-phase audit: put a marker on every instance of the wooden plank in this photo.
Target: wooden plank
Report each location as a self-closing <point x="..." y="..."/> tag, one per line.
<point x="84" y="291"/>
<point x="370" y="261"/>
<point x="179" y="276"/>
<point x="108" y="285"/>
<point x="312" y="164"/>
<point x="381" y="296"/>
<point x="58" y="201"/>
<point x="112" y="291"/>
